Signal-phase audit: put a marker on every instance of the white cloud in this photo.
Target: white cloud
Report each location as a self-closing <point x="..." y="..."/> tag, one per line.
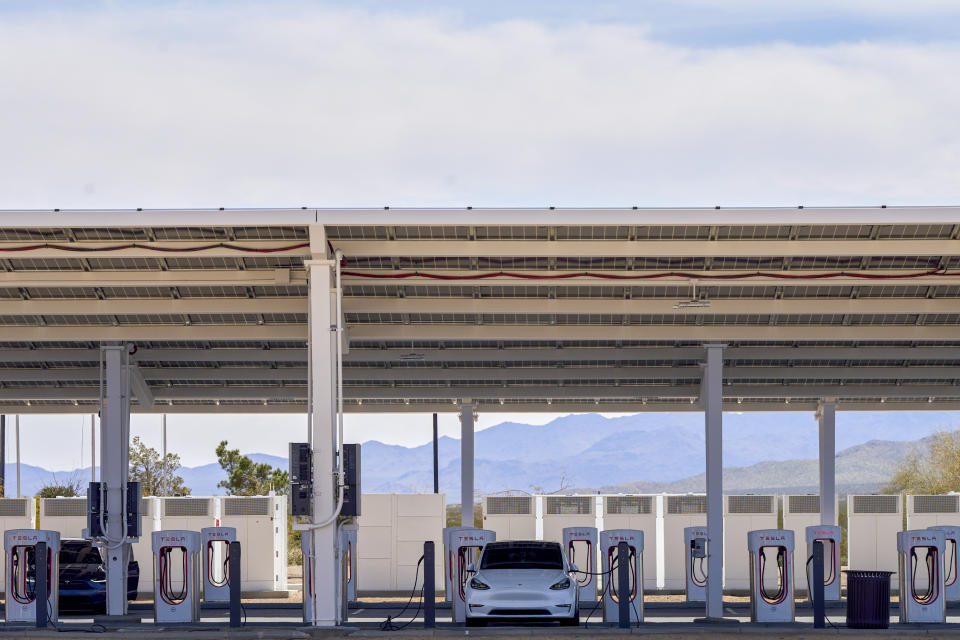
<point x="267" y="106"/>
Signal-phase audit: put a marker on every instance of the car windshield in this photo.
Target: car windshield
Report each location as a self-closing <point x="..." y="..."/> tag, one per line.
<point x="79" y="553"/>
<point x="522" y="557"/>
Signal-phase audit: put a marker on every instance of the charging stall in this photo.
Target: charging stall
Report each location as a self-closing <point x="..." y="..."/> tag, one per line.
<point x="638" y="512"/>
<point x="261" y="526"/>
<point x="177" y="566"/>
<point x="679" y="513"/>
<point x="951" y="563"/>
<point x="829" y="535"/>
<point x="20" y="546"/>
<point x="215" y="548"/>
<point x="348" y="553"/>
<point x="610" y="561"/>
<point x="920" y="561"/>
<point x="741" y="515"/>
<point x="142" y="549"/>
<point x="873" y="523"/>
<point x="695" y="544"/>
<point x="16" y="513"/>
<point x="771" y="580"/>
<point x="580" y="545"/>
<point x="511" y="517"/>
<point x="465" y="545"/>
<point x="560" y="512"/>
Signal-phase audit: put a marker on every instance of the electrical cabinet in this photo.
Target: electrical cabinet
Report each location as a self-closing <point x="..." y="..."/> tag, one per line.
<point x="872" y="526"/>
<point x="931" y="511"/>
<point x="510" y="517"/>
<point x="16" y="513"/>
<point x="639" y="513"/>
<point x="261" y="526"/>
<point x="742" y="514"/>
<point x="680" y="512"/>
<point x="560" y="512"/>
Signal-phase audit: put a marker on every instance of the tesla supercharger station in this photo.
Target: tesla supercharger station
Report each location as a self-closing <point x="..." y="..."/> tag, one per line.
<point x="176" y="557"/>
<point x="695" y="554"/>
<point x="829" y="535"/>
<point x="348" y="553"/>
<point x="465" y="545"/>
<point x="20" y="546"/>
<point x="951" y="564"/>
<point x="771" y="575"/>
<point x="580" y="545"/>
<point x="306" y="548"/>
<point x="215" y="548"/>
<point x="920" y="561"/>
<point x="609" y="543"/>
<point x="448" y="560"/>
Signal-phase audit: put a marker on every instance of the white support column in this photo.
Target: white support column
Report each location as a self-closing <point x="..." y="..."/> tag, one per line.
<point x="114" y="468"/>
<point x="712" y="398"/>
<point x="826" y="420"/>
<point x="323" y="421"/>
<point x="466" y="464"/>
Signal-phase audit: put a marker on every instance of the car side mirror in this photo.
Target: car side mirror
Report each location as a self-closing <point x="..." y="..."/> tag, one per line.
<point x="470" y="568"/>
<point x="573" y="567"/>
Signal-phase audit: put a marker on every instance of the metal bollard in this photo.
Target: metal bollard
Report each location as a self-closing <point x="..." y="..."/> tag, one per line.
<point x="816" y="587"/>
<point x="623" y="584"/>
<point x="429" y="587"/>
<point x="40" y="584"/>
<point x="234" y="584"/>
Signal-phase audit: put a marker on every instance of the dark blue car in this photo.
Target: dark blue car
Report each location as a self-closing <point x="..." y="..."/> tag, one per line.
<point x="83" y="580"/>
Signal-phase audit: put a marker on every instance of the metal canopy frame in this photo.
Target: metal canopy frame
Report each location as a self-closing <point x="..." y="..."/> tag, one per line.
<point x="517" y="309"/>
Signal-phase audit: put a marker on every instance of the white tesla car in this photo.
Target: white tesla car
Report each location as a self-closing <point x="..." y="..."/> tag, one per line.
<point x="522" y="580"/>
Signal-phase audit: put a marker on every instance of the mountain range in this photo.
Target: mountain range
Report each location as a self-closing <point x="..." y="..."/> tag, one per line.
<point x="641" y="452"/>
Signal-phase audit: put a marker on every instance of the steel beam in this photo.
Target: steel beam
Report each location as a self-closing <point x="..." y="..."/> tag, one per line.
<point x="646" y="248"/>
<point x="827" y="430"/>
<point x="134" y="278"/>
<point x="466" y="463"/>
<point x="138" y="385"/>
<point x="160" y="306"/>
<point x="174" y="333"/>
<point x="713" y="425"/>
<point x="114" y="465"/>
<point x="150" y="249"/>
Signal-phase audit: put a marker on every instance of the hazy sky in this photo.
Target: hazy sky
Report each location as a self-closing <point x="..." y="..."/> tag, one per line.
<point x="498" y="102"/>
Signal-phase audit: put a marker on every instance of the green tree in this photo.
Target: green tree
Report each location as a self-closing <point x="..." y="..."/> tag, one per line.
<point x="157" y="477"/>
<point x="935" y="471"/>
<point x="69" y="488"/>
<point x="246" y="477"/>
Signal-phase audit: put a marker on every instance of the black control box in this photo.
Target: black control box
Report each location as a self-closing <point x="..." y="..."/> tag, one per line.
<point x="94" y="510"/>
<point x="351" y="480"/>
<point x="133" y="510"/>
<point x="301" y="463"/>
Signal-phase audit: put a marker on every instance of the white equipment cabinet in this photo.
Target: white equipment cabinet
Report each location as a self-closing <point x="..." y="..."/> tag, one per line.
<point x="261" y="524"/>
<point x="66" y="515"/>
<point x="189" y="514"/>
<point x="770" y="565"/>
<point x="920" y="558"/>
<point x="800" y="512"/>
<point x="872" y="526"/>
<point x="19" y="549"/>
<point x="392" y="530"/>
<point x="742" y="514"/>
<point x="637" y="512"/>
<point x="679" y="512"/>
<point x="930" y="511"/>
<point x="609" y="549"/>
<point x="560" y="512"/>
<point x="16" y="513"/>
<point x="511" y="517"/>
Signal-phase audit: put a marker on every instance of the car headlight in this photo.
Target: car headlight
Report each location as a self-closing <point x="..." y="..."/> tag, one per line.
<point x="560" y="586"/>
<point x="479" y="585"/>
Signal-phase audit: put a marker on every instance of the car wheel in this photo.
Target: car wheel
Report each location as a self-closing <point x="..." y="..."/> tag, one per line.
<point x="473" y="622"/>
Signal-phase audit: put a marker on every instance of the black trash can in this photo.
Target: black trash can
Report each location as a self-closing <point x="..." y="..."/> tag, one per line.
<point x="868" y="599"/>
